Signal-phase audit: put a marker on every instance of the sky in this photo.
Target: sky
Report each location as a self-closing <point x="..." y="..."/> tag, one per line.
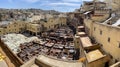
<point x="58" y="5"/>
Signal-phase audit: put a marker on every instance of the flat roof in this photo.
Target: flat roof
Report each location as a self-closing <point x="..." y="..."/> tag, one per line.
<point x="94" y="55"/>
<point x="80" y="27"/>
<point x="86" y="41"/>
<point x="5" y="23"/>
<point x="35" y="24"/>
<point x="81" y="33"/>
<point x="13" y="41"/>
<point x="58" y="63"/>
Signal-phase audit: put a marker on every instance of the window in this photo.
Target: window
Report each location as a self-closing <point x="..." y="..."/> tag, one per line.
<point x="77" y="42"/>
<point x="108" y="39"/>
<point x="100" y="32"/>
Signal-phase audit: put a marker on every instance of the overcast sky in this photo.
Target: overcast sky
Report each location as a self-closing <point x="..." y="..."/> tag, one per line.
<point x="59" y="5"/>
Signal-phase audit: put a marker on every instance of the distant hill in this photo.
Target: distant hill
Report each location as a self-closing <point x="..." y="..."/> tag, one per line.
<point x="20" y="14"/>
<point x="33" y="10"/>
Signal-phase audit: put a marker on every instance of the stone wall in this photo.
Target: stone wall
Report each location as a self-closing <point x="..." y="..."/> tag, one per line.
<point x="106" y="35"/>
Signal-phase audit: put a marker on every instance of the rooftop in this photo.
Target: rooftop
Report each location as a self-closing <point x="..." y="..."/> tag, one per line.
<point x="80" y="27"/>
<point x="81" y="34"/>
<point x="13" y="41"/>
<point x="4" y="23"/>
<point x="94" y="55"/>
<point x="86" y="42"/>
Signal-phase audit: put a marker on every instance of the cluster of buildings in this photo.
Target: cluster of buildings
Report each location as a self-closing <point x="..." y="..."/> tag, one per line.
<point x="91" y="54"/>
<point x="88" y="37"/>
<point x="35" y="27"/>
<point x="24" y="14"/>
<point x="102" y="26"/>
<point x="57" y="45"/>
<point x="101" y="23"/>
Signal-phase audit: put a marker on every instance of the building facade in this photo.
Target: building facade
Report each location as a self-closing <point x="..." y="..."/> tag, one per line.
<point x="34" y="28"/>
<point x="12" y="27"/>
